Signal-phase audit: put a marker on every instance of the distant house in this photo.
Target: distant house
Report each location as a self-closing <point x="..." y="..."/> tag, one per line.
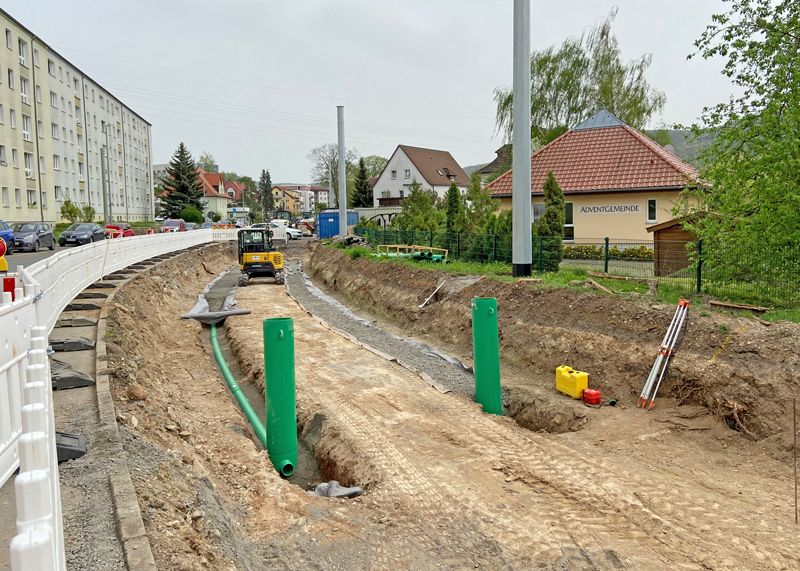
<point x="214" y="194"/>
<point x="616" y="180"/>
<point x="432" y="169"/>
<point x="304" y="197"/>
<point x="501" y="161"/>
<point x="287" y="197"/>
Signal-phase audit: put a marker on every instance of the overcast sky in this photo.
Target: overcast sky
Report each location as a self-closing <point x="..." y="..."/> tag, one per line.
<point x="256" y="82"/>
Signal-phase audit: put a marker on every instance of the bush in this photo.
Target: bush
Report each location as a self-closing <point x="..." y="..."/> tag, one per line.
<point x="191" y="214"/>
<point x="635" y="254"/>
<point x="583" y="252"/>
<point x="88" y="213"/>
<point x="70" y="211"/>
<point x="358" y="252"/>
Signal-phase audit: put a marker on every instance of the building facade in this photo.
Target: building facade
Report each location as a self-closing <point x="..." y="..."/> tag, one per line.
<point x="616" y="181"/>
<point x="301" y="197"/>
<point x="432" y="169"/>
<point x="56" y="124"/>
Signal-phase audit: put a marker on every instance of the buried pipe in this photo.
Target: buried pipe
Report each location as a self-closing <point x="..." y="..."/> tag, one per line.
<point x="279" y="392"/>
<point x="244" y="404"/>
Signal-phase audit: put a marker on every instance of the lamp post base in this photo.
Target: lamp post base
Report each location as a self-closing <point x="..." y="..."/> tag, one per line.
<point x="521" y="270"/>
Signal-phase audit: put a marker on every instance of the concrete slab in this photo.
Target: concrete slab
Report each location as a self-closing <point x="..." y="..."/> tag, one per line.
<point x="61" y="333"/>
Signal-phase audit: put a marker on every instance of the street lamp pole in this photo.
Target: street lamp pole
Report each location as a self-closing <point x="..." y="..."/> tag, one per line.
<point x="521" y="243"/>
<point x="342" y="178"/>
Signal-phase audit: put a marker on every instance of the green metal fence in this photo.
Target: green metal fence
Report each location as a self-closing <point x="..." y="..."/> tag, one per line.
<point x="746" y="276"/>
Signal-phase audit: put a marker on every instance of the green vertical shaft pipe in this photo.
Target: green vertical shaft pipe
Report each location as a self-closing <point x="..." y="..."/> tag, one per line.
<point x="279" y="391"/>
<point x="244" y="404"/>
<point x="486" y="354"/>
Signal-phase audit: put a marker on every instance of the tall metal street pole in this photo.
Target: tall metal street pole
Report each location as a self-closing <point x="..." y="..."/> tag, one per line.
<point x="521" y="243"/>
<point x="103" y="183"/>
<point x="110" y="199"/>
<point x="342" y="177"/>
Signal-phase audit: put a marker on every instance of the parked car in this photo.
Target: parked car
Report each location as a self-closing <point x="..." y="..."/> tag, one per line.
<point x="33" y="235"/>
<point x="258" y="225"/>
<point x="294" y="233"/>
<point x="191" y="226"/>
<point x="120" y="229"/>
<point x="7" y="234"/>
<point x="173" y="225"/>
<point x="82" y="233"/>
<point x="206" y="225"/>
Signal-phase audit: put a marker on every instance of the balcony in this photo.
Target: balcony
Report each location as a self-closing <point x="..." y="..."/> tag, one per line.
<point x="82" y="184"/>
<point x="79" y="128"/>
<point x="80" y="156"/>
<point x="77" y="101"/>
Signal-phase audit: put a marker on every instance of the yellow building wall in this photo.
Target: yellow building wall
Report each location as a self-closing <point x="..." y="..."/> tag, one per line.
<point x="620" y="216"/>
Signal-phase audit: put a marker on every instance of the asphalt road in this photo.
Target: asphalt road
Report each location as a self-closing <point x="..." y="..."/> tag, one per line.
<point x="28" y="258"/>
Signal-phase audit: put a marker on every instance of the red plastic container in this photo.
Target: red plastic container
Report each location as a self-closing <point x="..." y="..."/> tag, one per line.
<point x="8" y="286"/>
<point x="592" y="396"/>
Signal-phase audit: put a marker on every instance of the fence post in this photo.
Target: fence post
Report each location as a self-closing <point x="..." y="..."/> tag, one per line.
<point x="539" y="254"/>
<point x="430" y="239"/>
<point x="699" y="286"/>
<point x="494" y="247"/>
<point x="605" y="255"/>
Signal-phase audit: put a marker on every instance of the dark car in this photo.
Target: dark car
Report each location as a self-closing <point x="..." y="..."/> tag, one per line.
<point x="119" y="230"/>
<point x="7" y="235"/>
<point x="33" y="235"/>
<point x="81" y="233"/>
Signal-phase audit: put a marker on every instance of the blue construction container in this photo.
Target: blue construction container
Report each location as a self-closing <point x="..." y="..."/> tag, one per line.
<point x="328" y="222"/>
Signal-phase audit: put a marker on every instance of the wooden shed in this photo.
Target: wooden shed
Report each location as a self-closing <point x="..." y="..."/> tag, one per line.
<point x="669" y="246"/>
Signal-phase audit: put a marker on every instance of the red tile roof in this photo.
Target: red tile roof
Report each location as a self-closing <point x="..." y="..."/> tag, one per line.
<point x="212" y="180"/>
<point x="603" y="159"/>
<point x="237" y="188"/>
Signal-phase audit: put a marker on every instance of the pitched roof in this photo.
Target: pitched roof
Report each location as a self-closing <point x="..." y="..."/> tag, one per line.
<point x="503" y="157"/>
<point x="371" y="181"/>
<point x="603" y="154"/>
<point x="211" y="181"/>
<point x="238" y="188"/>
<point x="436" y="167"/>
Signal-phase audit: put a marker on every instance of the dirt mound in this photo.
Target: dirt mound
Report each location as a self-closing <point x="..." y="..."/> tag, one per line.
<point x="741" y="369"/>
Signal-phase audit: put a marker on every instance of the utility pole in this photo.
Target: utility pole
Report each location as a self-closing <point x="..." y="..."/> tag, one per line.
<point x="330" y="185"/>
<point x="103" y="179"/>
<point x="342" y="178"/>
<point x="109" y="199"/>
<point x="521" y="242"/>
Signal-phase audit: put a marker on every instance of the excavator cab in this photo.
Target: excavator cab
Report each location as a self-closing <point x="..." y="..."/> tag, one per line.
<point x="258" y="257"/>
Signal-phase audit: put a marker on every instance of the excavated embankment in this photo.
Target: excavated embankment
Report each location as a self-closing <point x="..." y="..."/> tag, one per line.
<point x="741" y="369"/>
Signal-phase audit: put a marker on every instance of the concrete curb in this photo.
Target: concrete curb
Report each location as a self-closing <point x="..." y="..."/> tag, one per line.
<point x="127" y="512"/>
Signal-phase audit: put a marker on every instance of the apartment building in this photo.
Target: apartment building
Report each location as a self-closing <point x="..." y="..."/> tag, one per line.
<point x="56" y="124"/>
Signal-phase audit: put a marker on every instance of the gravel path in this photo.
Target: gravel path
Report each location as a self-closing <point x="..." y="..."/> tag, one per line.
<point x="445" y="371"/>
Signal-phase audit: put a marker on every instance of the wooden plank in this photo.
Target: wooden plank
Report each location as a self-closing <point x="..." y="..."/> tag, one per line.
<point x="730" y="305"/>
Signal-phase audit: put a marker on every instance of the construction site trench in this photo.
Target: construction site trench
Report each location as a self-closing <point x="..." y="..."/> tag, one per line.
<point x="383" y="402"/>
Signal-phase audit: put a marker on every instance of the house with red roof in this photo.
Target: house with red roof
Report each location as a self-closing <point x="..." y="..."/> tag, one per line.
<point x="616" y="180"/>
<point x="219" y="194"/>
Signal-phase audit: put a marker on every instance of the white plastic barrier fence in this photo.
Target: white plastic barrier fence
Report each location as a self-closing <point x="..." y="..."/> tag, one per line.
<point x="225" y="234"/>
<point x="27" y="428"/>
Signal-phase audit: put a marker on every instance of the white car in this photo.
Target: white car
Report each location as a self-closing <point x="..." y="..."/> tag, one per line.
<point x="293" y="233"/>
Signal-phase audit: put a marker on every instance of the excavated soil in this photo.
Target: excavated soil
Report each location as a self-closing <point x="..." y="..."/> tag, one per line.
<point x="742" y="370"/>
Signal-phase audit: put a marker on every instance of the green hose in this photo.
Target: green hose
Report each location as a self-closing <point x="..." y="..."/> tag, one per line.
<point x="244" y="404"/>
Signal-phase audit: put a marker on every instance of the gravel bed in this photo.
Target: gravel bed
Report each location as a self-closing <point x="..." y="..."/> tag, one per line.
<point x="445" y="370"/>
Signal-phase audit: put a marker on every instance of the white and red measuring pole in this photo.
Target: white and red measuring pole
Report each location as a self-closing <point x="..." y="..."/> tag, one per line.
<point x="668" y="347"/>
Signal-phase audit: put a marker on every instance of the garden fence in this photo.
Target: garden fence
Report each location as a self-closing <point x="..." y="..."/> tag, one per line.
<point x="694" y="267"/>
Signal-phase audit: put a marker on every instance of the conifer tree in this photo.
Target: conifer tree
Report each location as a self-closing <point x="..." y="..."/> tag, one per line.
<point x="550" y="228"/>
<point x="182" y="185"/>
<point x="265" y="193"/>
<point x="362" y="197"/>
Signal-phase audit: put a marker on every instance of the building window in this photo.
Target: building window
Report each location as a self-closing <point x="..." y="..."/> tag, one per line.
<point x="651" y="210"/>
<point x="51" y="67"/>
<point x="9" y="39"/>
<point x="26" y="128"/>
<point x="408" y="173"/>
<point x="5" y="197"/>
<point x="38" y="91"/>
<point x="18" y="197"/>
<point x="14" y="158"/>
<point x="402" y="194"/>
<point x="3" y="156"/>
<point x="12" y="118"/>
<point x="57" y="191"/>
<point x="53" y="100"/>
<point x="28" y="158"/>
<point x="538" y="212"/>
<point x="11" y="79"/>
<point x="40" y="128"/>
<point x="394" y="175"/>
<point x="2" y="115"/>
<point x="35" y="57"/>
<point x="569" y="226"/>
<point x="24" y="86"/>
<point x="41" y="164"/>
<point x="56" y="163"/>
<point x="54" y="131"/>
<point x="44" y="199"/>
<point x="31" y="197"/>
<point x="23" y="52"/>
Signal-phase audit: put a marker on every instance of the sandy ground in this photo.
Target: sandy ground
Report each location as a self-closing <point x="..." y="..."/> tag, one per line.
<point x="447" y="487"/>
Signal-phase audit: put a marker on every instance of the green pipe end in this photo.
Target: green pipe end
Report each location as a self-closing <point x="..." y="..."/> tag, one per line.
<point x="285" y="467"/>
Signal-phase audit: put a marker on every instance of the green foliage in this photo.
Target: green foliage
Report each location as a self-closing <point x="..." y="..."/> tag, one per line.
<point x="358" y="252"/>
<point x="191" y="214"/>
<point x="325" y="168"/>
<point x="591" y="252"/>
<point x="213" y="216"/>
<point x="362" y="195"/>
<point x="207" y="162"/>
<point x="748" y="214"/>
<point x="583" y="252"/>
<point x="59" y="228"/>
<point x="481" y="207"/>
<point x="581" y="76"/>
<point x="550" y="227"/>
<point x="70" y="211"/>
<point x="374" y="164"/>
<point x="455" y="209"/>
<point x="88" y="214"/>
<point x="368" y="224"/>
<point x="265" y="193"/>
<point x="419" y="211"/>
<point x="182" y="185"/>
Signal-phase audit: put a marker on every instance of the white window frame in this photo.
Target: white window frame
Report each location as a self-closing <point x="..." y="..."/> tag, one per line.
<point x="51" y="67"/>
<point x="2" y="115"/>
<point x="41" y="164"/>
<point x="24" y="85"/>
<point x="3" y="157"/>
<point x="22" y="45"/>
<point x="54" y="131"/>
<point x="5" y="197"/>
<point x="10" y="78"/>
<point x="394" y="175"/>
<point x="9" y="40"/>
<point x="12" y="118"/>
<point x="15" y="158"/>
<point x="56" y="163"/>
<point x="572" y="225"/>
<point x="655" y="208"/>
<point x="54" y="100"/>
<point x="28" y="197"/>
<point x="27" y="159"/>
<point x="27" y="127"/>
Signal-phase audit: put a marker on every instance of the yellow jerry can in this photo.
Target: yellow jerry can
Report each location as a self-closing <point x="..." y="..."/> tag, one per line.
<point x="571" y="382"/>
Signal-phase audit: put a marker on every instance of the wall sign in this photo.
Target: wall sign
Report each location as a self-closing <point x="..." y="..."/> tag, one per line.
<point x="610" y="209"/>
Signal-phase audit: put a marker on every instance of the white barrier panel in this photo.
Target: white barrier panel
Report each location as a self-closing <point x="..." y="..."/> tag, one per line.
<point x="225" y="234"/>
<point x="27" y="426"/>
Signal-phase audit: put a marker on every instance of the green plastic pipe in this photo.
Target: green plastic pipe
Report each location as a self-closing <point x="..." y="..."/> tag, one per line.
<point x="486" y="354"/>
<point x="279" y="391"/>
<point x="244" y="404"/>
